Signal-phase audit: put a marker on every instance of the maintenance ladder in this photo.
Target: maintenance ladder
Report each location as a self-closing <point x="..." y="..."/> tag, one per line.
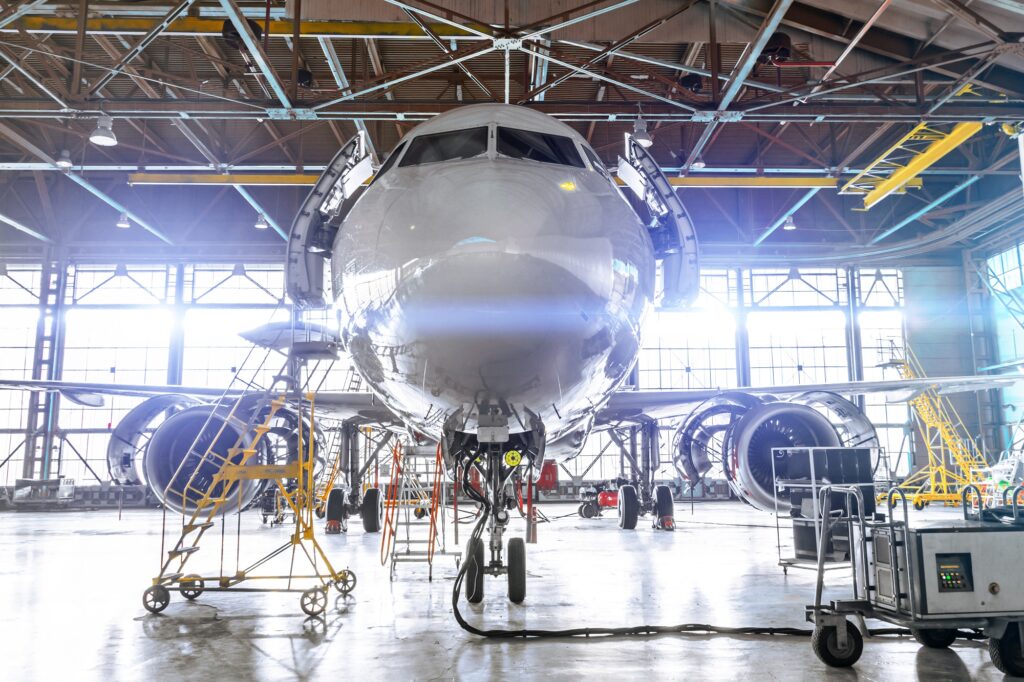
<point x="414" y="508"/>
<point x="215" y="477"/>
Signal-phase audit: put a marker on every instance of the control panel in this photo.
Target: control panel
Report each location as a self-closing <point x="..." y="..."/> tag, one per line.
<point x="954" y="572"/>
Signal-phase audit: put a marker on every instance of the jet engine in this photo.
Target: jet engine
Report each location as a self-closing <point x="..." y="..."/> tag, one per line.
<point x="174" y="461"/>
<point x="740" y="430"/>
<point x="128" y="438"/>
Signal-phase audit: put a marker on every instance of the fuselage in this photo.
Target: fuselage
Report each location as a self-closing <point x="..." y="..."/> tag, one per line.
<point x="493" y="261"/>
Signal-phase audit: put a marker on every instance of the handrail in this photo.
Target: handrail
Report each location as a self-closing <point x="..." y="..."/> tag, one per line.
<point x="435" y="503"/>
<point x="391" y="504"/>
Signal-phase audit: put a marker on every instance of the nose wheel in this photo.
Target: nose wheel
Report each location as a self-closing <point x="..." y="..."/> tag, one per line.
<point x="516" y="570"/>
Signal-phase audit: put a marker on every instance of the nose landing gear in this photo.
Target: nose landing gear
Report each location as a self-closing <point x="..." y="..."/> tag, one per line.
<point x="499" y="469"/>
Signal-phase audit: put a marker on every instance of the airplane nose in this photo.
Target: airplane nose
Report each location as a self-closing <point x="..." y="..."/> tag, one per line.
<point x="502" y="325"/>
<point x="482" y="281"/>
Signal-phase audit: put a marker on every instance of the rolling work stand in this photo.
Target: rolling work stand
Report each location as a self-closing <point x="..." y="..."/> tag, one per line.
<point x="210" y="506"/>
<point x="934" y="578"/>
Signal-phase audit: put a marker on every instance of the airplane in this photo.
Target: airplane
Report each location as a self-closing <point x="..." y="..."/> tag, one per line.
<point x="491" y="281"/>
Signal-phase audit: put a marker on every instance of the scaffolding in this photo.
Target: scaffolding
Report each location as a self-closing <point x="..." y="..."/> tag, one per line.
<point x="954" y="461"/>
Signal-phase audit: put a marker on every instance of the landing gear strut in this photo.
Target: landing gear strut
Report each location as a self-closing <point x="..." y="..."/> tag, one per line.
<point x="500" y="468"/>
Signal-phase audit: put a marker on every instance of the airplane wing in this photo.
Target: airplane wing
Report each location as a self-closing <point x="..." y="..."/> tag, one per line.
<point x="340" y="404"/>
<point x="626" y="405"/>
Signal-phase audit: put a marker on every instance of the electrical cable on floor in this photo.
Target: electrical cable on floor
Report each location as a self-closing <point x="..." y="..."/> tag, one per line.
<point x="635" y="630"/>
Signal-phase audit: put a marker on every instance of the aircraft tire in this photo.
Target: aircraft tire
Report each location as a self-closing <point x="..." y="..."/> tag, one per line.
<point x="629" y="507"/>
<point x="372" y="510"/>
<point x="475" y="571"/>
<point x="516" y="570"/>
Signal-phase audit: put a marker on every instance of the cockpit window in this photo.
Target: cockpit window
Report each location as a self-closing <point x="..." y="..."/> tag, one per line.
<point x="542" y="147"/>
<point x="390" y="161"/>
<point x="450" y="146"/>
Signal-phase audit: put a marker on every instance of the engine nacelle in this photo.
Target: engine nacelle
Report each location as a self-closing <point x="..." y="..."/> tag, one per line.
<point x="126" y="440"/>
<point x="740" y="430"/>
<point x="173" y="462"/>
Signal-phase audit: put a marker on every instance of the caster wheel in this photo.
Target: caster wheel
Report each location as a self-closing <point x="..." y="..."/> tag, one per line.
<point x="629" y="507"/>
<point x="346" y="582"/>
<point x="919" y="505"/>
<point x="516" y="570"/>
<point x="191" y="586"/>
<point x="1006" y="653"/>
<point x="934" y="639"/>
<point x="588" y="510"/>
<point x="419" y="513"/>
<point x="475" y="571"/>
<point x="156" y="598"/>
<point x="825" y="642"/>
<point x="314" y="601"/>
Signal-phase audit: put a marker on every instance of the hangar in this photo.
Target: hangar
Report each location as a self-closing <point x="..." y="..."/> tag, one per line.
<point x="453" y="339"/>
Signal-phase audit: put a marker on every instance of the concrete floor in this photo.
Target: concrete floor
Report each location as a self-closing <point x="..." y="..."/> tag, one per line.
<point x="71" y="585"/>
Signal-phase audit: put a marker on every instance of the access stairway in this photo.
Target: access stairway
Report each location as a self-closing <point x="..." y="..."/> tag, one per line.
<point x="214" y="485"/>
<point x="414" y="508"/>
<point x="953" y="459"/>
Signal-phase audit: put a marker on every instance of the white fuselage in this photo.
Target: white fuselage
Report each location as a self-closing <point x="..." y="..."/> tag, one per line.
<point x="473" y="280"/>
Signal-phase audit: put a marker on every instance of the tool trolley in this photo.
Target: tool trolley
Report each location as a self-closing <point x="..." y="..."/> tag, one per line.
<point x="933" y="578"/>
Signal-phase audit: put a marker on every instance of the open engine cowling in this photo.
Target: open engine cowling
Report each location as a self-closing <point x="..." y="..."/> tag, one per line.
<point x="740" y="431"/>
<point x="127" y="438"/>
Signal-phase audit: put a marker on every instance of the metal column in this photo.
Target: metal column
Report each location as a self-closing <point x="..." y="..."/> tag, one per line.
<point x="47" y="361"/>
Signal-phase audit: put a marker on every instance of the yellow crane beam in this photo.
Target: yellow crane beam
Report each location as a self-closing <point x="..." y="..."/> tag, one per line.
<point x="308" y="179"/>
<point x="892" y="171"/>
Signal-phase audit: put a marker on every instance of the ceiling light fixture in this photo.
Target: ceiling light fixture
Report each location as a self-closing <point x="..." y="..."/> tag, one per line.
<point x="104" y="135"/>
<point x="640" y="132"/>
<point x="261" y="222"/>
<point x="789" y="225"/>
<point x="698" y="163"/>
<point x="122" y="221"/>
<point x="64" y="161"/>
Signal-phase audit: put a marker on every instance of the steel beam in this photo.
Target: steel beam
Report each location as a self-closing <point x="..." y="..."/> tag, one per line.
<point x="402" y="79"/>
<point x="605" y="53"/>
<point x="782" y="219"/>
<point x="22" y="227"/>
<point x="925" y="209"/>
<point x="739" y="76"/>
<point x="879" y="41"/>
<point x="206" y="26"/>
<point x="15" y="12"/>
<point x="341" y="80"/>
<point x="448" y="52"/>
<point x="142" y="44"/>
<point x="618" y="84"/>
<point x="28" y="146"/>
<point x="251" y="200"/>
<point x="32" y="77"/>
<point x="575" y="20"/>
<point x="256" y="50"/>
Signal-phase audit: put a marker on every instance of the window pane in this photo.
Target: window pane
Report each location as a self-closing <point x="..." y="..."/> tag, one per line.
<point x="386" y="166"/>
<point x="526" y="144"/>
<point x="452" y="146"/>
<point x="595" y="161"/>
